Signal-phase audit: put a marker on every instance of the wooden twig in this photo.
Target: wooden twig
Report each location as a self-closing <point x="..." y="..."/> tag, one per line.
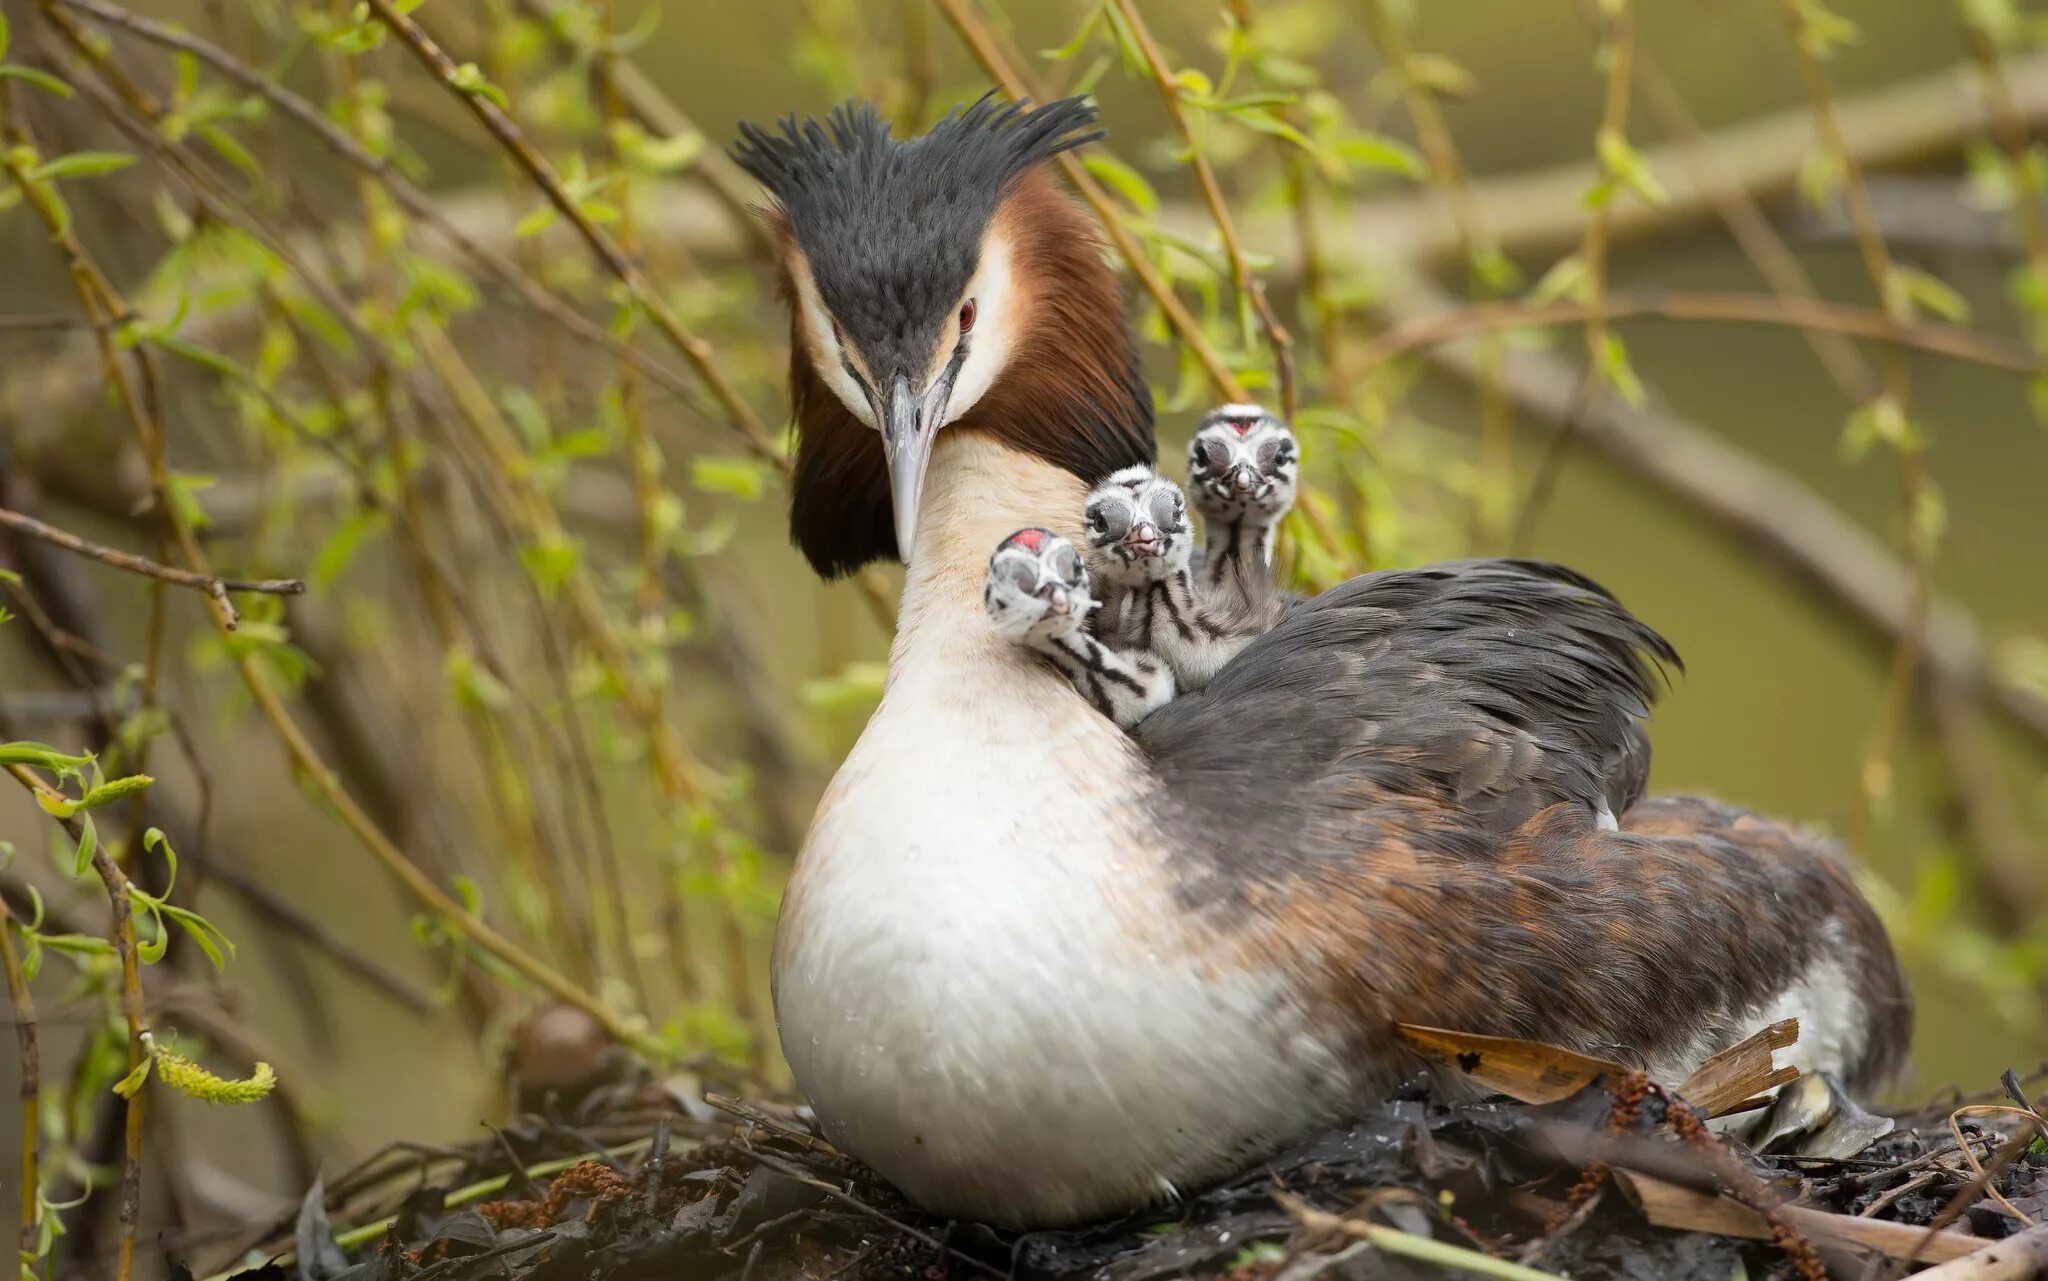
<point x="1760" y="506"/>
<point x="506" y="131"/>
<point x="1248" y="286"/>
<point x="215" y="587"/>
<point x="1805" y="314"/>
<point x="837" y="1193"/>
<point x="974" y="33"/>
<point x="1743" y="1071"/>
<point x="1874" y="780"/>
<point x="2021" y="1257"/>
<point x="409" y="197"/>
<point x="29" y="1061"/>
<point x="1667" y="1205"/>
<point x="123" y="931"/>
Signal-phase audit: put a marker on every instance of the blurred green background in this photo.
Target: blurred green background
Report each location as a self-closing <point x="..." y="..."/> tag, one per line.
<point x="1774" y="711"/>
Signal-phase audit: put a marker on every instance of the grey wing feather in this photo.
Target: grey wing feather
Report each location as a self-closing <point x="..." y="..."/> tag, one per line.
<point x="1502" y="686"/>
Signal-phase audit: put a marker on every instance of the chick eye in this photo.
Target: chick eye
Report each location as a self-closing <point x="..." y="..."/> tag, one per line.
<point x="967" y="314"/>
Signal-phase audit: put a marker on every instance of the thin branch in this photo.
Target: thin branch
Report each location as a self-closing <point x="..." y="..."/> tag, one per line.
<point x="98" y="297"/>
<point x="1531" y="212"/>
<point x="974" y="32"/>
<point x="1985" y="814"/>
<point x="1815" y="315"/>
<point x="1248" y="286"/>
<point x="123" y="931"/>
<point x="215" y="587"/>
<point x="1748" y="225"/>
<point x="1483" y="259"/>
<point x="981" y="42"/>
<point x="30" y="1062"/>
<point x="1759" y="506"/>
<point x="662" y="118"/>
<point x="409" y="197"/>
<point x="2010" y="132"/>
<point x="1615" y="25"/>
<point x="1874" y="780"/>
<point x="615" y="259"/>
<point x="33" y="323"/>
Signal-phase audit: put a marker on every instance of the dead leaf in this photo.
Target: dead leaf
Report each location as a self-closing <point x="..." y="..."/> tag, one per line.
<point x="1529" y="1071"/>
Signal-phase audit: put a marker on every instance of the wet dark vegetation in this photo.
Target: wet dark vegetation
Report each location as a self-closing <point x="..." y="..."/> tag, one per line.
<point x="1612" y="1181"/>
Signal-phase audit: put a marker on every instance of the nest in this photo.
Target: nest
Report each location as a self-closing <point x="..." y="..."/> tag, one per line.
<point x="1593" y="1173"/>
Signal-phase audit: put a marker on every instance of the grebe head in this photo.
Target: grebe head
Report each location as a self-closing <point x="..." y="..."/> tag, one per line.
<point x="932" y="282"/>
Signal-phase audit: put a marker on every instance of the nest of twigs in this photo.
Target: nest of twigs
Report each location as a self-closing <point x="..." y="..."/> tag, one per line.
<point x="1615" y="1179"/>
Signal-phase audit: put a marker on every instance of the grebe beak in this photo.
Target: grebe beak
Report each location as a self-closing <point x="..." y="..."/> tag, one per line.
<point x="909" y="423"/>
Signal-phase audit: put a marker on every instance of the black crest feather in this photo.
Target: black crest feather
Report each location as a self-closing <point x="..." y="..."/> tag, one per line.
<point x="851" y="165"/>
<point x="892" y="229"/>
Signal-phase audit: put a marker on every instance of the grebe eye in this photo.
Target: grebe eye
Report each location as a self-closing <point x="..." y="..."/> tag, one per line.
<point x="967" y="314"/>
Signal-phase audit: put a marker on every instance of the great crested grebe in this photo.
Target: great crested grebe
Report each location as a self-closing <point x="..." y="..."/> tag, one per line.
<point x="1034" y="968"/>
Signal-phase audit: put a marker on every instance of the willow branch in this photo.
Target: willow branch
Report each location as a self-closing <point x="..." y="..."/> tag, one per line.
<point x="1755" y="504"/>
<point x="975" y="34"/>
<point x="1447" y="174"/>
<point x="506" y="131"/>
<point x="123" y="931"/>
<point x="29" y="1059"/>
<point x="753" y="433"/>
<point x="1806" y="314"/>
<point x="1987" y="816"/>
<point x="409" y="197"/>
<point x="658" y="113"/>
<point x="99" y="299"/>
<point x="1532" y="212"/>
<point x="1248" y="286"/>
<point x="215" y="587"/>
<point x="1874" y="782"/>
<point x="2010" y="131"/>
<point x="1615" y="25"/>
